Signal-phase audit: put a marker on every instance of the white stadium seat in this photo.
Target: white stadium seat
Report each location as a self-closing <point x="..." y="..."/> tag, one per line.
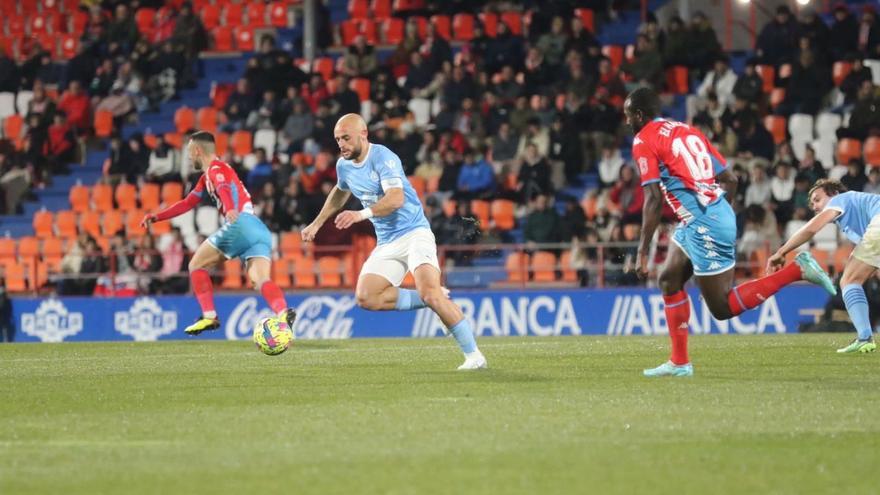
<point x="826" y="238"/>
<point x="824" y="149"/>
<point x="22" y="100"/>
<point x="185" y="222"/>
<point x="827" y="124"/>
<point x="207" y="220"/>
<point x="421" y="109"/>
<point x="7" y="104"/>
<point x="265" y="138"/>
<point x="874" y="65"/>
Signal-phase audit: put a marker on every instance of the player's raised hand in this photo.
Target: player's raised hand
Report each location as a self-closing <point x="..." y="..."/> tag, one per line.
<point x="308" y="233"/>
<point x="147" y="220"/>
<point x="774" y="262"/>
<point x="348" y="218"/>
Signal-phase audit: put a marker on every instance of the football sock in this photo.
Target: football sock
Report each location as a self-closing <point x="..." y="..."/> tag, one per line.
<point x="857" y="307"/>
<point x="464" y="335"/>
<point x="273" y="296"/>
<point x="754" y="292"/>
<point x="678" y="312"/>
<point x="408" y="299"/>
<point x="201" y="286"/>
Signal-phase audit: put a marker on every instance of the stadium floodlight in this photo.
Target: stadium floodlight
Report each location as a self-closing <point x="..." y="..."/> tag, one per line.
<point x="803" y="2"/>
<point x="744" y="1"/>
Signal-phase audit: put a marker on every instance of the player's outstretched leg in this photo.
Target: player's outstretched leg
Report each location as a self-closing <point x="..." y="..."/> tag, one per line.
<point x="428" y="284"/>
<point x="855" y="274"/>
<point x="205" y="257"/>
<point x="375" y="293"/>
<point x="677" y="306"/>
<point x="259" y="269"/>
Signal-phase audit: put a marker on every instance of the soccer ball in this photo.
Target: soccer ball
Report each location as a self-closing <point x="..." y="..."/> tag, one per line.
<point x="272" y="336"/>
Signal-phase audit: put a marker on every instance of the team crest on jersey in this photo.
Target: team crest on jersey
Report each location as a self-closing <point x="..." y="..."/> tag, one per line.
<point x="374" y="176"/>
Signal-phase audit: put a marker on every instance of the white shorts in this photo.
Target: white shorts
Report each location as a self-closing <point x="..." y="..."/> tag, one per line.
<point x="868" y="249"/>
<point x="393" y="260"/>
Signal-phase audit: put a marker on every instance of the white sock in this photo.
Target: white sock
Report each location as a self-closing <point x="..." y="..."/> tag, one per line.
<point x="210" y="314"/>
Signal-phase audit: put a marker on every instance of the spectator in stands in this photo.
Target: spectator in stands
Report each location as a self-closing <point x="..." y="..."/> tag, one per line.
<point x="584" y="255"/>
<point x="542" y="223"/>
<point x="505" y="84"/>
<point x="71" y="263"/>
<point x="119" y="104"/>
<point x="759" y="192"/>
<point x="60" y="148"/>
<point x="812" y="27"/>
<point x="48" y="71"/>
<point x="755" y="141"/>
<point x="844" y="34"/>
<point x="122" y="31"/>
<point x="854" y="80"/>
<point x="172" y="278"/>
<point x="801" y="196"/>
<point x="261" y="173"/>
<point x="493" y="113"/>
<point x="807" y="86"/>
<point x="720" y="82"/>
<point x="537" y="135"/>
<point x="703" y="45"/>
<point x="759" y="232"/>
<point x="7" y="327"/>
<point x="581" y="39"/>
<point x="855" y="178"/>
<point x="35" y="139"/>
<point x="504" y="49"/>
<point x="784" y="153"/>
<point x="865" y="118"/>
<point x="451" y="168"/>
<point x="81" y="67"/>
<point x="565" y="149"/>
<point x="435" y="49"/>
<point x="873" y="184"/>
<point x="468" y="120"/>
<point x="162" y="166"/>
<point x="239" y="105"/>
<point x="266" y="115"/>
<point x="75" y="104"/>
<point x="809" y="167"/>
<point x="534" y="174"/>
<point x="610" y="165"/>
<point x="298" y="127"/>
<point x="265" y="205"/>
<point x="93" y="264"/>
<point x="147" y="262"/>
<point x="627" y="196"/>
<point x="133" y="162"/>
<point x="573" y="222"/>
<point x="102" y="82"/>
<point x="782" y="191"/>
<point x="459" y="228"/>
<point x="505" y="145"/>
<point x="344" y="99"/>
<point x="776" y="43"/>
<point x="409" y="44"/>
<point x="651" y="28"/>
<point x="869" y="33"/>
<point x="189" y="34"/>
<point x="96" y="27"/>
<point x="799" y="218"/>
<point x="292" y="208"/>
<point x="419" y="76"/>
<point x="475" y="179"/>
<point x="9" y="77"/>
<point x="552" y="44"/>
<point x="360" y="59"/>
<point x="170" y="66"/>
<point x="461" y="86"/>
<point x="646" y="68"/>
<point x="41" y="106"/>
<point x="132" y="85"/>
<point x="676" y="50"/>
<point x="749" y="87"/>
<point x="609" y="81"/>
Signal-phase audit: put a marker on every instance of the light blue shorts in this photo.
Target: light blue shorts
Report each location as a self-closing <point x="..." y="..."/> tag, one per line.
<point x="247" y="238"/>
<point x="709" y="240"/>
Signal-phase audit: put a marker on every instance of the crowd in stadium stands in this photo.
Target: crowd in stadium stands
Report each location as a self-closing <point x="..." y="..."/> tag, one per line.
<point x="513" y="108"/>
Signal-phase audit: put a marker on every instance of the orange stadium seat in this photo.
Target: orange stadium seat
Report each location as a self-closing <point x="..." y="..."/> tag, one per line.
<point x="210" y="15"/>
<point x="172" y="192"/>
<point x="184" y="119"/>
<point x="244" y="38"/>
<point x="281" y="273"/>
<point x="126" y="197"/>
<point x="480" y="209"/>
<point x="112" y="223"/>
<point x="66" y="222"/>
<point x="543" y="266"/>
<point x="304" y="273"/>
<point x="7" y="248"/>
<point x="568" y="273"/>
<point x="502" y="214"/>
<point x="222" y="39"/>
<point x="28" y="248"/>
<point x="442" y="26"/>
<point x="256" y="14"/>
<point x="840" y="257"/>
<point x="16" y="277"/>
<point x="463" y="27"/>
<point x="776" y="126"/>
<point x="232" y="275"/>
<point x="330" y="271"/>
<point x="677" y="80"/>
<point x="149" y="196"/>
<point x="103" y="123"/>
<point x="206" y="119"/>
<point x="43" y="224"/>
<point x="848" y="149"/>
<point x="241" y="143"/>
<point x="291" y="245"/>
<point x="79" y="197"/>
<point x="221" y="143"/>
<point x="174" y="139"/>
<point x="90" y="223"/>
<point x="53" y="248"/>
<point x="133" y="227"/>
<point x="233" y="14"/>
<point x="768" y="77"/>
<point x="489" y="20"/>
<point x="418" y="184"/>
<point x="361" y="86"/>
<point x="517" y="266"/>
<point x="513" y="20"/>
<point x="381" y="9"/>
<point x="871" y="150"/>
<point x="102" y="197"/>
<point x="432" y="185"/>
<point x="12" y="127"/>
<point x="586" y="16"/>
<point x="840" y="70"/>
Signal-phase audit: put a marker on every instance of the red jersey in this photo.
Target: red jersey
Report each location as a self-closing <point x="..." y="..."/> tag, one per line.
<point x="222" y="183"/>
<point x="683" y="161"/>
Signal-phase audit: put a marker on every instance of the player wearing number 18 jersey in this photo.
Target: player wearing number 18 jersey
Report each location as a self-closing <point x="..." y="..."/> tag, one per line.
<point x="677" y="162"/>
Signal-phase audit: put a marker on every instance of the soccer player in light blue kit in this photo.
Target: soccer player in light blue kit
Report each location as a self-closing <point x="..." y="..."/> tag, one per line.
<point x="857" y="214"/>
<point x="405" y="243"/>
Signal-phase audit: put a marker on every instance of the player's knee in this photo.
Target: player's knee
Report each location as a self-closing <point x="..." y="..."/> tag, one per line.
<point x="432" y="296"/>
<point x="258" y="282"/>
<point x="668" y="282"/>
<point x="719" y="308"/>
<point x="366" y="300"/>
<point x="195" y="265"/>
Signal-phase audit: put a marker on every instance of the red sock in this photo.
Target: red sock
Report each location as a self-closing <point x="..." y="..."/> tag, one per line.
<point x="678" y="312"/>
<point x="752" y="293"/>
<point x="201" y="286"/>
<point x="273" y="296"/>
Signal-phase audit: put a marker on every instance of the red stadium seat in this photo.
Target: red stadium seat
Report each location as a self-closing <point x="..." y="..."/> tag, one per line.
<point x="184" y="119"/>
<point x="463" y="27"/>
<point x="12" y="127"/>
<point x="381" y="9"/>
<point x="145" y="18"/>
<point x="614" y="53"/>
<point x="361" y="86"/>
<point x="210" y="15"/>
<point x="840" y="70"/>
<point x="768" y="76"/>
<point x="244" y="38"/>
<point x="442" y="26"/>
<point x="872" y="151"/>
<point x="256" y="14"/>
<point x="776" y="126"/>
<point x="242" y="142"/>
<point x="848" y="149"/>
<point x="323" y="66"/>
<point x="278" y="15"/>
<point x="103" y="123"/>
<point x="490" y="23"/>
<point x="233" y="14"/>
<point x="586" y="16"/>
<point x="393" y="30"/>
<point x="68" y="45"/>
<point x="359" y="9"/>
<point x="222" y="39"/>
<point x="513" y="20"/>
<point x="677" y="80"/>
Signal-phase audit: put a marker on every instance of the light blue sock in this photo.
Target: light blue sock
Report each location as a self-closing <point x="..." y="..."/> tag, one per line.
<point x="464" y="335"/>
<point x="857" y="307"/>
<point x="408" y="299"/>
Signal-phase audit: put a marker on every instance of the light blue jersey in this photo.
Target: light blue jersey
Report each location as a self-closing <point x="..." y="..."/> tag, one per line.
<point x="857" y="209"/>
<point x="369" y="181"/>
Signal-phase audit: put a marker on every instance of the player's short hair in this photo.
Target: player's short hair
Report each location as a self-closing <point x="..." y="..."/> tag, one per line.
<point x="203" y="139"/>
<point x="645" y="100"/>
<point x="830" y="186"/>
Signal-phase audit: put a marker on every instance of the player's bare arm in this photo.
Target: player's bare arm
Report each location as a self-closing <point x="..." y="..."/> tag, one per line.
<point x="802" y="236"/>
<point x="651" y="215"/>
<point x="390" y="202"/>
<point x="335" y="201"/>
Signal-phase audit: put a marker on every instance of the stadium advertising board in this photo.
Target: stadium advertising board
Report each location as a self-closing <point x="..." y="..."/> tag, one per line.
<point x="336" y="316"/>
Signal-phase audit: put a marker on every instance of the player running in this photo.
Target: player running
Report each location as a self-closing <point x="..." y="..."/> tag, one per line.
<point x="243" y="235"/>
<point x="374" y="174"/>
<point x="676" y="160"/>
<point x="858" y="216"/>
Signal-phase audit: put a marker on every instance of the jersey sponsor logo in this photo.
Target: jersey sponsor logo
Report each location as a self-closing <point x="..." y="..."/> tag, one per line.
<point x="324" y="317"/>
<point x="219" y="177"/>
<point x="374" y="176"/>
<point x="643" y="165"/>
<point x="540" y="315"/>
<point x="145" y="321"/>
<point x="51" y="322"/>
<point x="390" y="164"/>
<point x="644" y="314"/>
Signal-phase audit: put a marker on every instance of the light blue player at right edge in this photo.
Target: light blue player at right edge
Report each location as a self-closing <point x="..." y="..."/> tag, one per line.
<point x="404" y="241"/>
<point x="857" y="215"/>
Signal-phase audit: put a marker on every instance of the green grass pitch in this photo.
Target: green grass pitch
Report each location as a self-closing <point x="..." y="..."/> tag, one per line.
<point x="764" y="414"/>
